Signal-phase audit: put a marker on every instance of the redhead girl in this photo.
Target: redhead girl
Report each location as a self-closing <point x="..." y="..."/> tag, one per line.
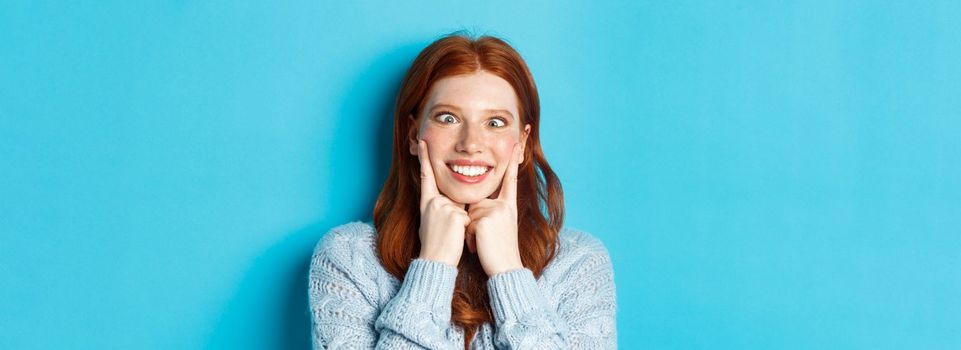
<point x="466" y="248"/>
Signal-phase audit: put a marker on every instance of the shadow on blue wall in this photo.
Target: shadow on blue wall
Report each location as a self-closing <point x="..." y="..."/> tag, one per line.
<point x="271" y="302"/>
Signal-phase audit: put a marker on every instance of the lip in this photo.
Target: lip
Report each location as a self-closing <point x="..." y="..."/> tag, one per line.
<point x="469" y="179"/>
<point x="463" y="162"/>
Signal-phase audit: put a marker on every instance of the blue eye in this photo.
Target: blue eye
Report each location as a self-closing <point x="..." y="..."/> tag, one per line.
<point x="446" y="118"/>
<point x="497" y="123"/>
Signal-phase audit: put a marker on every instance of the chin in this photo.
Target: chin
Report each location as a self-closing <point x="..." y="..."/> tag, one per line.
<point x="466" y="198"/>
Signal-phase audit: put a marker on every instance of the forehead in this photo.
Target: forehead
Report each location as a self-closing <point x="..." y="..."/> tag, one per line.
<point x="476" y="91"/>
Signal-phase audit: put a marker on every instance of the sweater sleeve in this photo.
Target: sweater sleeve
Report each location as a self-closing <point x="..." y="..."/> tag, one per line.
<point x="419" y="314"/>
<point x="345" y="314"/>
<point x="585" y="316"/>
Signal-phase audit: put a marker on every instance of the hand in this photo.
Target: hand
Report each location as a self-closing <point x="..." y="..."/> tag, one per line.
<point x="492" y="229"/>
<point x="442" y="222"/>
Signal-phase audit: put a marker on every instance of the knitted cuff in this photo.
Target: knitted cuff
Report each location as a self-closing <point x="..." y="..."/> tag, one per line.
<point x="513" y="294"/>
<point x="430" y="283"/>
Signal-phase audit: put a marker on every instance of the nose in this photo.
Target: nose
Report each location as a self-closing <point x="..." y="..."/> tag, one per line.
<point x="471" y="140"/>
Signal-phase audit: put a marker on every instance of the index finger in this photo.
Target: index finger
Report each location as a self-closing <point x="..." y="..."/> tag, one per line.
<point x="428" y="187"/>
<point x="509" y="184"/>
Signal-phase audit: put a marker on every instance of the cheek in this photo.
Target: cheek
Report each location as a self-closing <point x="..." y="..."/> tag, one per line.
<point x="435" y="140"/>
<point x="504" y="148"/>
<point x="428" y="136"/>
<point x="438" y="144"/>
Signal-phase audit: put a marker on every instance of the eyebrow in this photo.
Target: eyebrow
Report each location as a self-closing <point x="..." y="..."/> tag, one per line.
<point x="455" y="108"/>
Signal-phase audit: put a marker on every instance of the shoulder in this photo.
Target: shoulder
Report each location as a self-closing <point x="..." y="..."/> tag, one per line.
<point x="345" y="264"/>
<point x="578" y="252"/>
<point x="579" y="243"/>
<point x="351" y="241"/>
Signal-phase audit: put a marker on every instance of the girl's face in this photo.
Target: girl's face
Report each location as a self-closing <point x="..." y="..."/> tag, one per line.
<point x="470" y="124"/>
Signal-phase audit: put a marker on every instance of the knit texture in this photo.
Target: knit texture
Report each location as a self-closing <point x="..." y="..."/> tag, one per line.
<point x="356" y="304"/>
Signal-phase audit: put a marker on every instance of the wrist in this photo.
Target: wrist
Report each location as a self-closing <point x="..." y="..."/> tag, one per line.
<point x="448" y="260"/>
<point x="513" y="264"/>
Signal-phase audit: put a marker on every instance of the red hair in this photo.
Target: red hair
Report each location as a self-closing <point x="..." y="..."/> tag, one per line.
<point x="540" y="199"/>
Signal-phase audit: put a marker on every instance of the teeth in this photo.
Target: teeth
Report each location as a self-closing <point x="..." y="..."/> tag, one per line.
<point x="471" y="170"/>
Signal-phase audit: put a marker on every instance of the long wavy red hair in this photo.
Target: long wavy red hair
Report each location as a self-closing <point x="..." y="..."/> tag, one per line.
<point x="540" y="199"/>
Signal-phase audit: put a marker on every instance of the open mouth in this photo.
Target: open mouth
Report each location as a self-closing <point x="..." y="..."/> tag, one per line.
<point x="469" y="173"/>
<point x="470" y="170"/>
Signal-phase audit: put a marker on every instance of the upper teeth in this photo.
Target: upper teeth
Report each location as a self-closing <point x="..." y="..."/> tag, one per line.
<point x="469" y="170"/>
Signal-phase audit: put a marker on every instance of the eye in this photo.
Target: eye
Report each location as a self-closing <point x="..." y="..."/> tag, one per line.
<point x="445" y="117"/>
<point x="497" y="123"/>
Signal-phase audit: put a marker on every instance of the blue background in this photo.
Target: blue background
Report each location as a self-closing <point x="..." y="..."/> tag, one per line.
<point x="778" y="174"/>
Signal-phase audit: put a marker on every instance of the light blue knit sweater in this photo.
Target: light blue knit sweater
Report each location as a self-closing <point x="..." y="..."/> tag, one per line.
<point x="355" y="303"/>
